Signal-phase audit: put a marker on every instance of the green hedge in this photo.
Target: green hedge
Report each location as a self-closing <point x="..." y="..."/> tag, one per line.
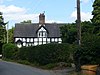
<point x="89" y="52"/>
<point x="1" y="47"/>
<point x="9" y="51"/>
<point x="46" y="54"/>
<point x="41" y="54"/>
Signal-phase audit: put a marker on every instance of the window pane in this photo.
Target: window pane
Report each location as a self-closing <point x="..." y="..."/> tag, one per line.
<point x="55" y="39"/>
<point x="35" y="43"/>
<point x="40" y="43"/>
<point x="60" y="39"/>
<point x="24" y="44"/>
<point x="27" y="39"/>
<point x="44" y="39"/>
<point x="44" y="42"/>
<point x="52" y="39"/>
<point x="48" y="39"/>
<point x="31" y="39"/>
<point x="24" y="39"/>
<point x="40" y="39"/>
<point x="35" y="39"/>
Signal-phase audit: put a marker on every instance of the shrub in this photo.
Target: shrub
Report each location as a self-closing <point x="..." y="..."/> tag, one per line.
<point x="25" y="53"/>
<point x="1" y="47"/>
<point x="89" y="52"/>
<point x="46" y="54"/>
<point x="9" y="51"/>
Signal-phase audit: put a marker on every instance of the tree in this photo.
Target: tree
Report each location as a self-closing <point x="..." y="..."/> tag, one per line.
<point x="2" y="32"/>
<point x="27" y="21"/>
<point x="96" y="17"/>
<point x="96" y="13"/>
<point x="2" y="29"/>
<point x="86" y="28"/>
<point x="11" y="34"/>
<point x="89" y="52"/>
<point x="68" y="33"/>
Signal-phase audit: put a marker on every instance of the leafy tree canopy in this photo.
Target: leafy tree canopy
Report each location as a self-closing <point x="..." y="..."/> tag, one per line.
<point x="96" y="17"/>
<point x="27" y="21"/>
<point x="96" y="13"/>
<point x="11" y="34"/>
<point x="2" y="29"/>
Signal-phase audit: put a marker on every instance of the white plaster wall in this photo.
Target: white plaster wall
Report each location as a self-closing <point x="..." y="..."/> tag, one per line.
<point x="40" y="39"/>
<point x="60" y="39"/>
<point x="48" y="39"/>
<point x="56" y="39"/>
<point x="24" y="40"/>
<point x="40" y="43"/>
<point x="16" y="39"/>
<point x="35" y="43"/>
<point x="52" y="39"/>
<point x="44" y="42"/>
<point x="24" y="44"/>
<point x="44" y="39"/>
<point x="28" y="39"/>
<point x="31" y="40"/>
<point x="35" y="39"/>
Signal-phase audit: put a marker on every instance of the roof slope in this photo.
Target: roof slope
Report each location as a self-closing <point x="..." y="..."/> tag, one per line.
<point x="29" y="30"/>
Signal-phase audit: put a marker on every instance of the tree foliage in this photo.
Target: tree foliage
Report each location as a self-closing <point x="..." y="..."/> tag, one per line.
<point x="11" y="34"/>
<point x="10" y="51"/>
<point x="2" y="29"/>
<point x="68" y="33"/>
<point x="89" y="52"/>
<point x="27" y="21"/>
<point x="96" y="17"/>
<point x="96" y="13"/>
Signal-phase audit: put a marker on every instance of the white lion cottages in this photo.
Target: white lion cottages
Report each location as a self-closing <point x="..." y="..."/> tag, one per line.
<point x="32" y="34"/>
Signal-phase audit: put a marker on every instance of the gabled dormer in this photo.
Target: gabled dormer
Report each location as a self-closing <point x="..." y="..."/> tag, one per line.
<point x="42" y="32"/>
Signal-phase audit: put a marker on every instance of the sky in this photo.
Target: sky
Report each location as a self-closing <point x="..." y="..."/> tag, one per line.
<point x="59" y="11"/>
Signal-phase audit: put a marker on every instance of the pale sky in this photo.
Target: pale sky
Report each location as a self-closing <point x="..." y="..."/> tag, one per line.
<point x="60" y="11"/>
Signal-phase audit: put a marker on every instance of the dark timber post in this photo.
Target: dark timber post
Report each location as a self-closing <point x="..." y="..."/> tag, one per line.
<point x="78" y="64"/>
<point x="78" y="23"/>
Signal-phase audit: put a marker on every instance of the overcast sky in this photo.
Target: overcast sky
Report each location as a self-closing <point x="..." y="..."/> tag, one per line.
<point x="59" y="11"/>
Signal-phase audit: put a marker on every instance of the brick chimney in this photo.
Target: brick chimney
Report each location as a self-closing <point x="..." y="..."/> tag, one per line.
<point x="42" y="18"/>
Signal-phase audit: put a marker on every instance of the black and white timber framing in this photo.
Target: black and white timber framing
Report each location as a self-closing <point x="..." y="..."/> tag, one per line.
<point x="32" y="34"/>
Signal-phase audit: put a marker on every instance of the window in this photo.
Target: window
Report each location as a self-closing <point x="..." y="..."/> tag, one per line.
<point x="52" y="39"/>
<point x="31" y="39"/>
<point x="42" y="32"/>
<point x="28" y="39"/>
<point x="24" y="39"/>
<point x="24" y="44"/>
<point x="55" y="39"/>
<point x="48" y="39"/>
<point x="35" y="41"/>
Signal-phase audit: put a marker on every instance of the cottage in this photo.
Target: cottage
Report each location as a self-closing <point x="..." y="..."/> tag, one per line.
<point x="32" y="34"/>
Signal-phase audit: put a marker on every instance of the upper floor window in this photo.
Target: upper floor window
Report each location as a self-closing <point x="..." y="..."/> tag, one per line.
<point x="42" y="32"/>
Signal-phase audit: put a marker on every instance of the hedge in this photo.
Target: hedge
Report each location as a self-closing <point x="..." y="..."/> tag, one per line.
<point x="40" y="54"/>
<point x="1" y="47"/>
<point x="89" y="52"/>
<point x="46" y="54"/>
<point x="9" y="51"/>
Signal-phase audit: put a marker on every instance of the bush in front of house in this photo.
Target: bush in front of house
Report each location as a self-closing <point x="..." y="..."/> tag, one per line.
<point x="89" y="52"/>
<point x="9" y="51"/>
<point x="25" y="53"/>
<point x="46" y="54"/>
<point x="1" y="47"/>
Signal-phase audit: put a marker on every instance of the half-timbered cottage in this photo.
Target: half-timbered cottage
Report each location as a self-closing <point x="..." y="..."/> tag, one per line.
<point x="32" y="34"/>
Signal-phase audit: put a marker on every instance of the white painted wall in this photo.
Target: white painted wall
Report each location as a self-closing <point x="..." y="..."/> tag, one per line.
<point x="37" y="41"/>
<point x="19" y="45"/>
